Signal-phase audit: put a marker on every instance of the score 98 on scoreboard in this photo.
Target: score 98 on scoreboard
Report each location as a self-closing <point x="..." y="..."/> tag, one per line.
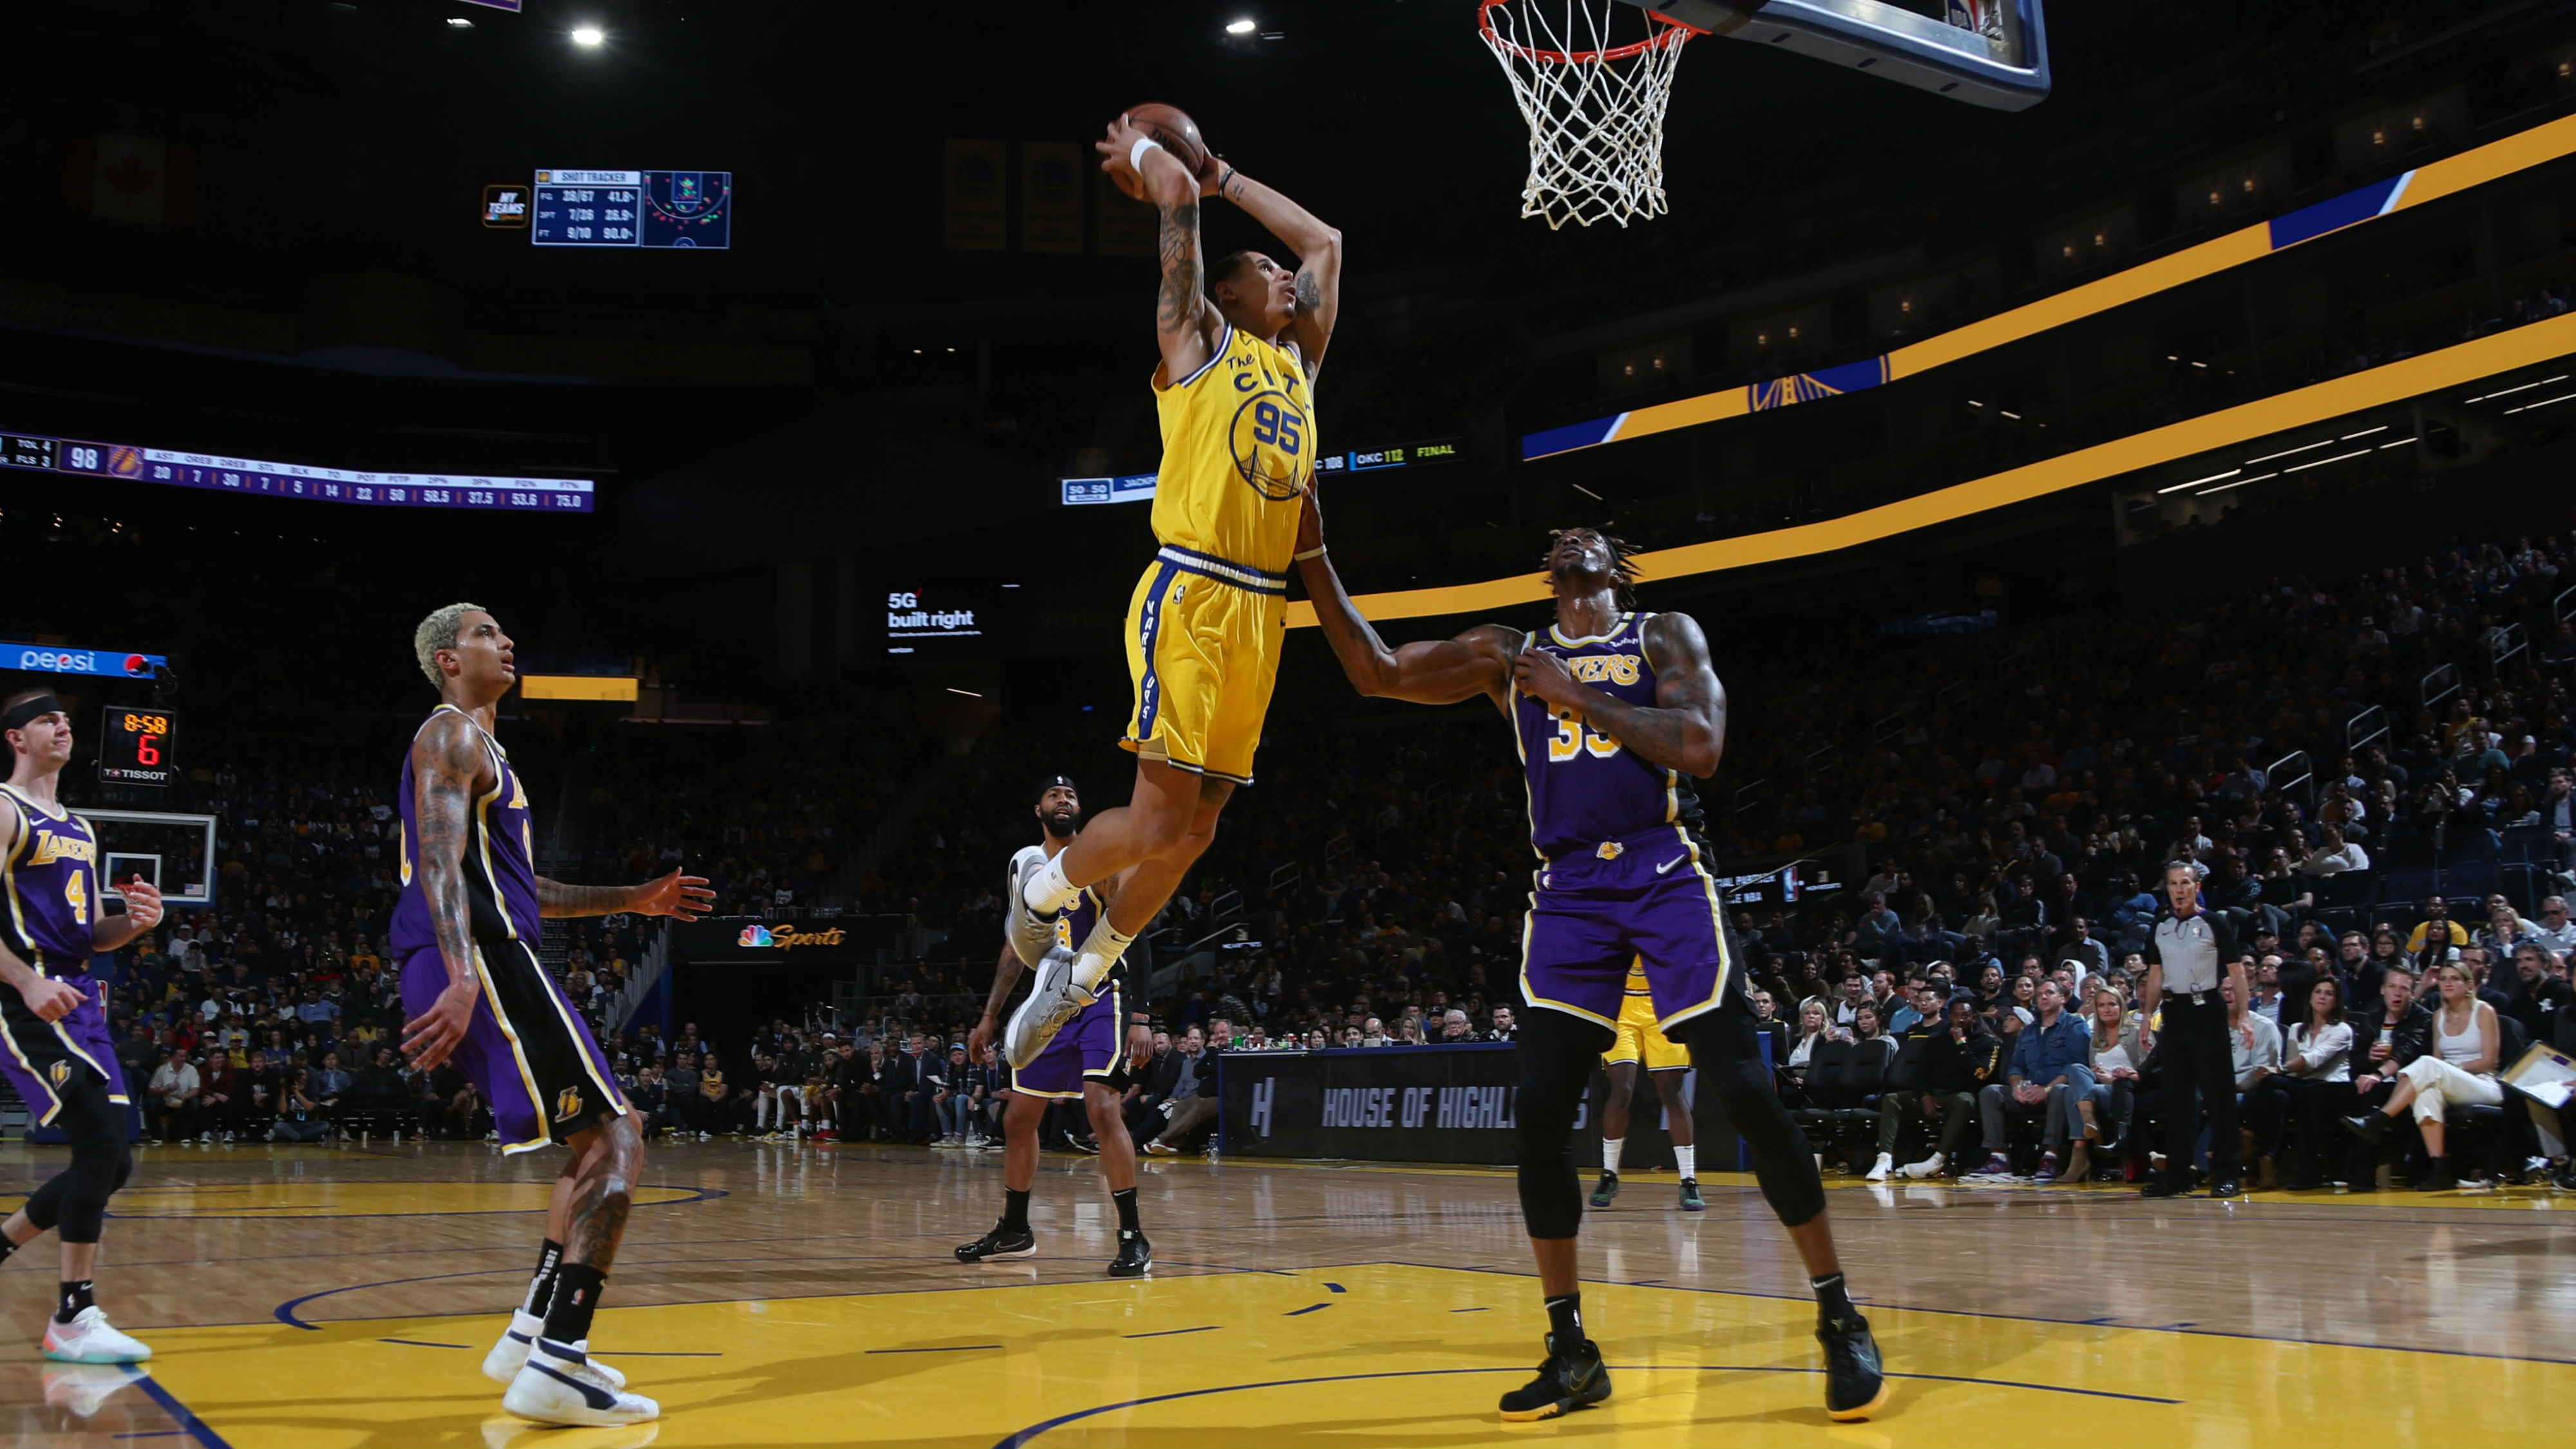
<point x="611" y="208"/>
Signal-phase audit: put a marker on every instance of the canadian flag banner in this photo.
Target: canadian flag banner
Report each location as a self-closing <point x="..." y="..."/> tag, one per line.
<point x="130" y="178"/>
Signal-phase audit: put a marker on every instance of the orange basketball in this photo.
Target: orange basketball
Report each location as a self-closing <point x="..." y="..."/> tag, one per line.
<point x="1175" y="131"/>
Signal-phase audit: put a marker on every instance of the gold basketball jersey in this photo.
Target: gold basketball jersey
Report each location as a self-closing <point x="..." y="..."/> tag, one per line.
<point x="1238" y="448"/>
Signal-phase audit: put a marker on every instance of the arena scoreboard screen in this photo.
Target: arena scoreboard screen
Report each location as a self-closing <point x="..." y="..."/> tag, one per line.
<point x="138" y="746"/>
<point x="611" y="208"/>
<point x="133" y="463"/>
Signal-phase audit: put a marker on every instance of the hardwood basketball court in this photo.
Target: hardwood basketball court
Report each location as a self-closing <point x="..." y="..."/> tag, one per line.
<point x="342" y="1298"/>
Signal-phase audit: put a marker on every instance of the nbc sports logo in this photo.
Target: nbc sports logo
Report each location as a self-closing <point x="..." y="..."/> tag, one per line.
<point x="754" y="935"/>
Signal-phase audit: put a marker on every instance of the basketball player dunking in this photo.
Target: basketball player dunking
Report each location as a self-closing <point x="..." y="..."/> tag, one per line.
<point x="53" y="1017"/>
<point x="1613" y="712"/>
<point x="1087" y="1059"/>
<point x="464" y="932"/>
<point x="1242" y="340"/>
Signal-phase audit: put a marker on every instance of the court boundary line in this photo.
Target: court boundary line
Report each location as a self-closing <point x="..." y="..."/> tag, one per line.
<point x="1020" y="1438"/>
<point x="2009" y="1317"/>
<point x="189" y="1424"/>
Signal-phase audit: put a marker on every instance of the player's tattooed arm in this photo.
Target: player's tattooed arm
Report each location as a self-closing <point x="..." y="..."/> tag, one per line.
<point x="1431" y="671"/>
<point x="1319" y="264"/>
<point x="1184" y="321"/>
<point x="1684" y="729"/>
<point x="447" y="765"/>
<point x="1006" y="978"/>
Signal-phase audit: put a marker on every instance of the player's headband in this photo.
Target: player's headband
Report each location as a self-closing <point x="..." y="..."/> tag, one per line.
<point x="37" y="708"/>
<point x="1056" y="782"/>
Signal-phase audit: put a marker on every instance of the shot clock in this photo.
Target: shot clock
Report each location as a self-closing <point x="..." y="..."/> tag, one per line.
<point x="138" y="746"/>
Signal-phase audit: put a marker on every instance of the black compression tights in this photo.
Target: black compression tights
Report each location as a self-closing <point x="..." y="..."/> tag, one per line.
<point x="1557" y="1052"/>
<point x="74" y="1200"/>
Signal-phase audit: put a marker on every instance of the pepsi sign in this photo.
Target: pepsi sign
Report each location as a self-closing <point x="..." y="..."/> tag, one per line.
<point x="99" y="663"/>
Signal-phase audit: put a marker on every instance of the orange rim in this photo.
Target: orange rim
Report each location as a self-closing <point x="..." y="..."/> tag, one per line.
<point x="1674" y="33"/>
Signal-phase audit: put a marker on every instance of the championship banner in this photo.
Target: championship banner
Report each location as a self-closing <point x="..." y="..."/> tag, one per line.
<point x="1050" y="196"/>
<point x="977" y="201"/>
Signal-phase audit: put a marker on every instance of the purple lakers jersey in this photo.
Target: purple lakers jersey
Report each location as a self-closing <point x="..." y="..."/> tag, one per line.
<point x="53" y="886"/>
<point x="1585" y="787"/>
<point x="500" y="861"/>
<point x="1073" y="927"/>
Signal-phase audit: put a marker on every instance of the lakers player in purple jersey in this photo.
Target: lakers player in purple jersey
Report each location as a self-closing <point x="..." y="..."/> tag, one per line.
<point x="1614" y="714"/>
<point x="54" y="1044"/>
<point x="1086" y="1060"/>
<point x="465" y="931"/>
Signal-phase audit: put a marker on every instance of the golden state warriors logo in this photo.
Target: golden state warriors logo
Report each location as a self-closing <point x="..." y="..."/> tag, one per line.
<point x="1271" y="441"/>
<point x="568" y="1103"/>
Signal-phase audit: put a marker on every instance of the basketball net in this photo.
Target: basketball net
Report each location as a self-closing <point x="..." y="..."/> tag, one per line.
<point x="1595" y="108"/>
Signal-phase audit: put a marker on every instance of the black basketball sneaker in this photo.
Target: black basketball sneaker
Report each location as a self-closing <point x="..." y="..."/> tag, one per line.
<point x="1001" y="1242"/>
<point x="1135" y="1255"/>
<point x="1605" y="1190"/>
<point x="1566" y="1382"/>
<point x="1855" y="1386"/>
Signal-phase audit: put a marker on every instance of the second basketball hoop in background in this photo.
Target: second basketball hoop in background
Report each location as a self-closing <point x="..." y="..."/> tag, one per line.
<point x="1592" y="78"/>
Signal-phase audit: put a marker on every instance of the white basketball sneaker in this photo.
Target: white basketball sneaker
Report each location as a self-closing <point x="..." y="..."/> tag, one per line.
<point x="560" y="1385"/>
<point x="1928" y="1167"/>
<point x="1878" y="1170"/>
<point x="510" y="1353"/>
<point x="1053" y="1001"/>
<point x="1031" y="935"/>
<point x="89" y="1338"/>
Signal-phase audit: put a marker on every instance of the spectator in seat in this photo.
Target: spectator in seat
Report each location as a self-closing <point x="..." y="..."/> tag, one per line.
<point x="2117" y="1043"/>
<point x="1193" y="1096"/>
<point x="299" y="1116"/>
<point x="221" y="1083"/>
<point x="2334" y="855"/>
<point x="2436" y="936"/>
<point x="1812" y="1033"/>
<point x="651" y="1099"/>
<point x="2316" y="1070"/>
<point x="714" y="1097"/>
<point x="1454" y="1027"/>
<point x="330" y="1085"/>
<point x="2047" y="1055"/>
<point x="2254" y="1043"/>
<point x="2461" y="1067"/>
<point x="176" y="1099"/>
<point x="2541" y="990"/>
<point x="1959" y="1059"/>
<point x="1506" y="1025"/>
<point x="680" y="1101"/>
<point x="2554" y="929"/>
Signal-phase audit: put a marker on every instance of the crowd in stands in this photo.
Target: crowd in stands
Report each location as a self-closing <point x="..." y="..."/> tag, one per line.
<point x="2326" y="760"/>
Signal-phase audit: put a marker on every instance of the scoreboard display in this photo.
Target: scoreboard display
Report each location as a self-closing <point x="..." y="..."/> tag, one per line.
<point x="138" y="746"/>
<point x="594" y="208"/>
<point x="134" y="463"/>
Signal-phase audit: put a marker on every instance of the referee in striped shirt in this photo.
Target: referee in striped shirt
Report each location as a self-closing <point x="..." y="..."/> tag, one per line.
<point x="2188" y="949"/>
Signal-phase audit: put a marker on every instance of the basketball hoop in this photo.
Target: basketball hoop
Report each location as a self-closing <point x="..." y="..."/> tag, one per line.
<point x="1595" y="107"/>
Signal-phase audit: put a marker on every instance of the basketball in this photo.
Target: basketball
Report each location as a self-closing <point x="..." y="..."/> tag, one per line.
<point x="1177" y="133"/>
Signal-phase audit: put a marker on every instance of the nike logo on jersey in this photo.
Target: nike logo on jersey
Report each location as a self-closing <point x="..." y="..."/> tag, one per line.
<point x="1668" y="865"/>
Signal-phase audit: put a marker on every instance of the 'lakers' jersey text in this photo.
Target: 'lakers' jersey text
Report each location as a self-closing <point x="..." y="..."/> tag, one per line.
<point x="1238" y="449"/>
<point x="500" y="861"/>
<point x="52" y="880"/>
<point x="1586" y="788"/>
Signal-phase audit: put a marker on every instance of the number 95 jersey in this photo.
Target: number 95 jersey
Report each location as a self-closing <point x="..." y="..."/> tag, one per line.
<point x="1587" y="792"/>
<point x="1238" y="451"/>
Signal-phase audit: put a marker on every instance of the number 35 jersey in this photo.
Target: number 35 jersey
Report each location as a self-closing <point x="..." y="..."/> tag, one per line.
<point x="1587" y="791"/>
<point x="1238" y="451"/>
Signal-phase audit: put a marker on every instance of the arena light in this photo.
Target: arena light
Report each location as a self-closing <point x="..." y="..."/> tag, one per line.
<point x="1241" y="27"/>
<point x="588" y="35"/>
<point x="2196" y="482"/>
<point x="2321" y="462"/>
<point x="2286" y="452"/>
<point x="459" y="22"/>
<point x="2239" y="483"/>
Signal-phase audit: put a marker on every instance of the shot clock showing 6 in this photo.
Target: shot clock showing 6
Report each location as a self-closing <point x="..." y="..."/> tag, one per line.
<point x="138" y="746"/>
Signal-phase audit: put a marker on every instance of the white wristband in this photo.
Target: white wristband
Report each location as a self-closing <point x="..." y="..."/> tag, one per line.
<point x="1136" y="153"/>
<point x="1316" y="552"/>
